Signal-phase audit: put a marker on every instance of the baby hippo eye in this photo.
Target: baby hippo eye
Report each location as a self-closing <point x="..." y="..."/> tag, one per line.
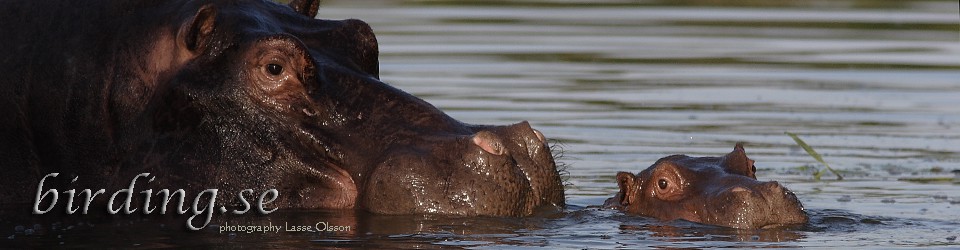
<point x="274" y="69"/>
<point x="753" y="168"/>
<point x="662" y="183"/>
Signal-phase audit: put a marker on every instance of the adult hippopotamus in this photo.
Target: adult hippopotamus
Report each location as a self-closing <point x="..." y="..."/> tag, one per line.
<point x="242" y="94"/>
<point x="721" y="191"/>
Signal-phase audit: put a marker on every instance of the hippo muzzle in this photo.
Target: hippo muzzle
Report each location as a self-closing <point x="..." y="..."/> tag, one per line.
<point x="494" y="164"/>
<point x="754" y="205"/>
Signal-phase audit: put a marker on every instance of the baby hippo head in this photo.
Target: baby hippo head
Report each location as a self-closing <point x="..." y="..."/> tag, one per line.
<point x="721" y="191"/>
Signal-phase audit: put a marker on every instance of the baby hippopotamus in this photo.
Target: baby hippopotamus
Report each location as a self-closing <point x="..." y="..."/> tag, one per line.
<point x="721" y="191"/>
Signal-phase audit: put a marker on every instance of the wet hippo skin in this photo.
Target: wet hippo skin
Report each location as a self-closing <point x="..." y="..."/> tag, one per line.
<point x="721" y="191"/>
<point x="240" y="95"/>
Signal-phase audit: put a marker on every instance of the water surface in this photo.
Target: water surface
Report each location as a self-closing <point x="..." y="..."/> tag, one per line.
<point x="873" y="85"/>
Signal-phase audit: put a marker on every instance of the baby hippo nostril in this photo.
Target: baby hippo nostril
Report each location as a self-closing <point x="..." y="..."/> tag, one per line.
<point x="739" y="189"/>
<point x="773" y="187"/>
<point x="488" y="142"/>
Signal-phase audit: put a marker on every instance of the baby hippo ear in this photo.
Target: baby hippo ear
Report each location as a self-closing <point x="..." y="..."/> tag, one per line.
<point x="736" y="162"/>
<point x="628" y="188"/>
<point x="307" y="8"/>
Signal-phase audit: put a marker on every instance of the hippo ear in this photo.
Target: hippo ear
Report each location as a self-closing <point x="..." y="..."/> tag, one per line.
<point x="307" y="8"/>
<point x="737" y="162"/>
<point x="627" y="183"/>
<point x="195" y="34"/>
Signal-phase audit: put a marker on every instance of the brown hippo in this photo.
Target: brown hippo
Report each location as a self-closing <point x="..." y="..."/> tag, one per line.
<point x="235" y="95"/>
<point x="721" y="191"/>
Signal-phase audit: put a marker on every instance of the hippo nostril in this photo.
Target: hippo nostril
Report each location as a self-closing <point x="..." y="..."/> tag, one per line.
<point x="488" y="142"/>
<point x="773" y="186"/>
<point x="540" y="136"/>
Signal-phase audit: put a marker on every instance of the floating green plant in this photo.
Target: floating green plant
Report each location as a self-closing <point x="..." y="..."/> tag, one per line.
<point x="816" y="156"/>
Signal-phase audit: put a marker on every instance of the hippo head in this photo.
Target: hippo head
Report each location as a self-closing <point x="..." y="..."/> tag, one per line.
<point x="712" y="190"/>
<point x="261" y="95"/>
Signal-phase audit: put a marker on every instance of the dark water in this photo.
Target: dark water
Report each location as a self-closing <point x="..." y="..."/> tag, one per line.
<point x="873" y="85"/>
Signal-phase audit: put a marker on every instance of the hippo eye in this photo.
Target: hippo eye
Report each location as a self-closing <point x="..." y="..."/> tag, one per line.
<point x="274" y="69"/>
<point x="662" y="183"/>
<point x="753" y="168"/>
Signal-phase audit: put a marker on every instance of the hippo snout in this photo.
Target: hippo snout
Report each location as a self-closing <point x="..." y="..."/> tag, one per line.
<point x="527" y="150"/>
<point x="779" y="196"/>
<point x="754" y="205"/>
<point x="496" y="170"/>
<point x="531" y="154"/>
